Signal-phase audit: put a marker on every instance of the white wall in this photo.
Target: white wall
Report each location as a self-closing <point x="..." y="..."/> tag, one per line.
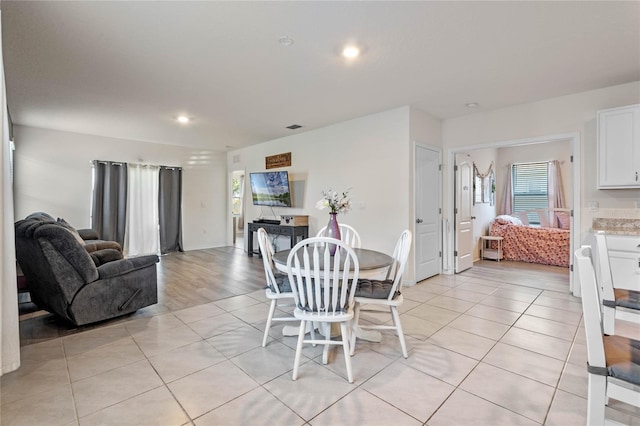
<point x="566" y="114"/>
<point x="53" y="174"/>
<point x="368" y="154"/>
<point x="425" y="128"/>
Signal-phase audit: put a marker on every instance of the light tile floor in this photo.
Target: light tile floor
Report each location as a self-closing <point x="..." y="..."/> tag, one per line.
<point x="483" y="351"/>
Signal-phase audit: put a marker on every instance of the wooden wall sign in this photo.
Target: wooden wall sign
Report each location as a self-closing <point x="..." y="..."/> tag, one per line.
<point x="278" y="160"/>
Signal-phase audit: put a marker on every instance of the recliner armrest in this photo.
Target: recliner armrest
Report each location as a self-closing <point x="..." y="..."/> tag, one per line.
<point x="100" y="257"/>
<point x="88" y="234"/>
<point x="95" y="245"/>
<point x="124" y="266"/>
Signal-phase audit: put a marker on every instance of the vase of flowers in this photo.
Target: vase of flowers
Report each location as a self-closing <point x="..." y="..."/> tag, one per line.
<point x="336" y="203"/>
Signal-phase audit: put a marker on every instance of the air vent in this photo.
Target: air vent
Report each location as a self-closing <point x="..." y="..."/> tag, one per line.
<point x="294" y="126"/>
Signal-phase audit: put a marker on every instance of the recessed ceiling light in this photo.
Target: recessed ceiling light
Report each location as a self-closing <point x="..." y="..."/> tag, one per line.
<point x="472" y="105"/>
<point x="351" y="52"/>
<point x="183" y="119"/>
<point x="285" y="41"/>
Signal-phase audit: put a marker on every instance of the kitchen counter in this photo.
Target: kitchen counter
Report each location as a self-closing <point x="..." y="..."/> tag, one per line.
<point x="616" y="226"/>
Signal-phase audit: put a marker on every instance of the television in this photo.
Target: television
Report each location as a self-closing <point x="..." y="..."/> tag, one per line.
<point x="270" y="189"/>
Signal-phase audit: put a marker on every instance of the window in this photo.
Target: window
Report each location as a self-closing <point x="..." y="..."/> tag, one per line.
<point x="236" y="196"/>
<point x="530" y="188"/>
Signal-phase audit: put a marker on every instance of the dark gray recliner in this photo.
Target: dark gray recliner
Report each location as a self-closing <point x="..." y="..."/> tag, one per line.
<point x="64" y="280"/>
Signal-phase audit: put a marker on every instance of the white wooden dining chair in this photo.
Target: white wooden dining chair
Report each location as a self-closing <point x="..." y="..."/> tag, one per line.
<point x="323" y="287"/>
<point x="348" y="234"/>
<point x="387" y="292"/>
<point x="616" y="302"/>
<point x="278" y="287"/>
<point x="613" y="362"/>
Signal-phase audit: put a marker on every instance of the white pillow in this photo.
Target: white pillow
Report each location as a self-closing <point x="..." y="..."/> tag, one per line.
<point x="504" y="219"/>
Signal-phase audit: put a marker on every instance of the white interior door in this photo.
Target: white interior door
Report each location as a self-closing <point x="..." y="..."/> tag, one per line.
<point x="463" y="251"/>
<point x="428" y="213"/>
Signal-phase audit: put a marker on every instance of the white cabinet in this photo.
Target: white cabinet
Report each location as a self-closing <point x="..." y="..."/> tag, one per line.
<point x="624" y="259"/>
<point x="619" y="147"/>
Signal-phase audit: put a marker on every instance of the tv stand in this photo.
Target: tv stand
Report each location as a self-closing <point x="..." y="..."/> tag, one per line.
<point x="293" y="232"/>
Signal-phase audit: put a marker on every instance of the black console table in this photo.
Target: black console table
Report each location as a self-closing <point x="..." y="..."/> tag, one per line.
<point x="293" y="232"/>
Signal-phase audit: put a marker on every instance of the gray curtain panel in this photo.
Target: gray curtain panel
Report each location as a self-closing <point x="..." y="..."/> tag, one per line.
<point x="109" y="207"/>
<point x="170" y="209"/>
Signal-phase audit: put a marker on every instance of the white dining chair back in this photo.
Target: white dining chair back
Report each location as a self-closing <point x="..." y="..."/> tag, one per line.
<point x="400" y="257"/>
<point x="348" y="234"/>
<point x="613" y="362"/>
<point x="278" y="287"/>
<point x="323" y="287"/>
<point x="616" y="302"/>
<point x="387" y="292"/>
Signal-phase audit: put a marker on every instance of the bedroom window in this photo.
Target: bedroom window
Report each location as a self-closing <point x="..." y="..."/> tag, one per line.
<point x="530" y="188"/>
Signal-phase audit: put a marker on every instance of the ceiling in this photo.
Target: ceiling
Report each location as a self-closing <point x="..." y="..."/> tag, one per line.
<point x="128" y="69"/>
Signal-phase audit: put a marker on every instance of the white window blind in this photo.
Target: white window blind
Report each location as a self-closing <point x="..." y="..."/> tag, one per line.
<point x="530" y="188"/>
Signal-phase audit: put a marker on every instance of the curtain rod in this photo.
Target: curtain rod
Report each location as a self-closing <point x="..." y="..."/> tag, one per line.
<point x="534" y="162"/>
<point x="117" y="163"/>
<point x="156" y="165"/>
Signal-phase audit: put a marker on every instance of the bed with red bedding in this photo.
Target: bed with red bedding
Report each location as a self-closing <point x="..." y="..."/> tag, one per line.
<point x="547" y="246"/>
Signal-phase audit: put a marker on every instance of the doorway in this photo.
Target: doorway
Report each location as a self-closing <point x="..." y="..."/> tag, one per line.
<point x="463" y="212"/>
<point x="572" y="140"/>
<point x="237" y="208"/>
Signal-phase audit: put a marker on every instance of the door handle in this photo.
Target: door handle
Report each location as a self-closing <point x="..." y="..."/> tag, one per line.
<point x="473" y="217"/>
<point x="419" y="220"/>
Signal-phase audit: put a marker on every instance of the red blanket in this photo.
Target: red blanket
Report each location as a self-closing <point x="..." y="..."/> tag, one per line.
<point x="548" y="246"/>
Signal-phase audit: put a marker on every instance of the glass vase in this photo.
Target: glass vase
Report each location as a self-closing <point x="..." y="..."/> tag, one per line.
<point x="333" y="231"/>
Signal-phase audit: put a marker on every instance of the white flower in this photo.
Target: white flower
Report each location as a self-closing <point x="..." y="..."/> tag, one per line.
<point x="335" y="202"/>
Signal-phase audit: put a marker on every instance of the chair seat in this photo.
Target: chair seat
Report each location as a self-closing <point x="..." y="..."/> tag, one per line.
<point x="374" y="289"/>
<point x="396" y="301"/>
<point x="270" y="294"/>
<point x="283" y="284"/>
<point x="625" y="299"/>
<point x="623" y="358"/>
